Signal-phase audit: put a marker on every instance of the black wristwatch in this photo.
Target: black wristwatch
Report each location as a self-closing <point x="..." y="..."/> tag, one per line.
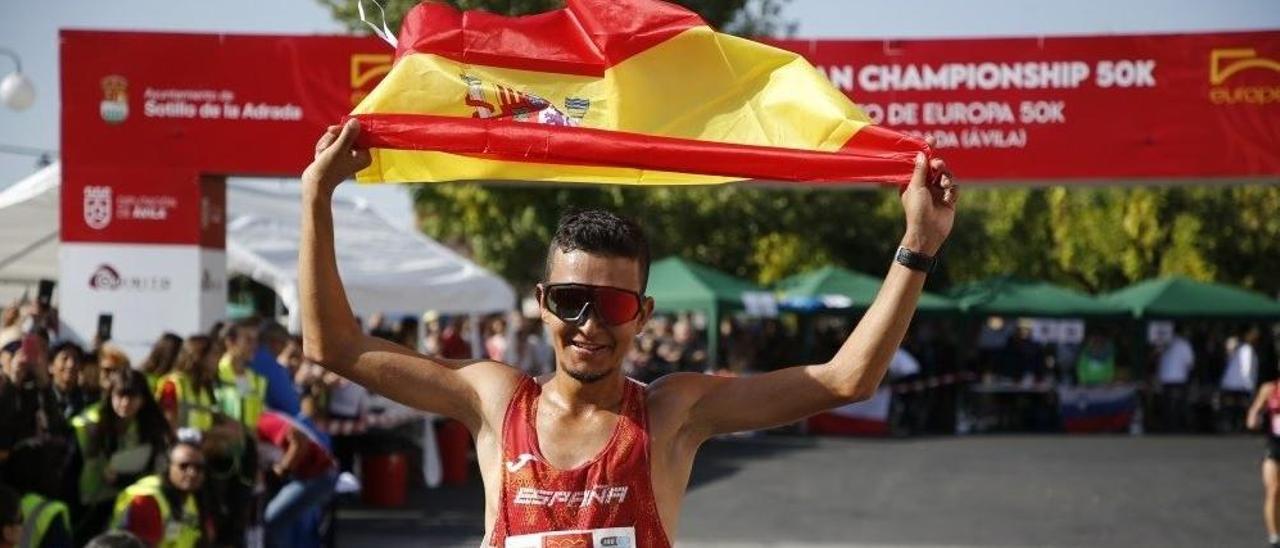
<point x="915" y="260"/>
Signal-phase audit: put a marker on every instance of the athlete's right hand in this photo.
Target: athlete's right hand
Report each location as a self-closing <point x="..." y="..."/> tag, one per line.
<point x="336" y="159"/>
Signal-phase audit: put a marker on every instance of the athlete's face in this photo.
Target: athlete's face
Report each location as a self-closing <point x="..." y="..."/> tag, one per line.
<point x="591" y="349"/>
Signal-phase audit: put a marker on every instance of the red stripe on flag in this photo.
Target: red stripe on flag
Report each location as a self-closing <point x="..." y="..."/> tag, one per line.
<point x="585" y="38"/>
<point x="873" y="155"/>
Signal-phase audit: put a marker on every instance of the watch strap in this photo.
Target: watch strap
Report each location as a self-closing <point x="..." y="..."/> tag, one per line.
<point x="915" y="260"/>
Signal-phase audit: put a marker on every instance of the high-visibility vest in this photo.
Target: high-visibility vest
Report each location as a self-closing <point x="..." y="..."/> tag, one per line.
<point x="153" y="380"/>
<point x="93" y="464"/>
<point x="195" y="406"/>
<point x="1093" y="370"/>
<point x="38" y="514"/>
<point x="247" y="406"/>
<point x="182" y="532"/>
<point x="93" y="483"/>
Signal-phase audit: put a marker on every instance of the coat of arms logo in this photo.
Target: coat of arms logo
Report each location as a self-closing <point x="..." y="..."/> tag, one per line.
<point x="97" y="206"/>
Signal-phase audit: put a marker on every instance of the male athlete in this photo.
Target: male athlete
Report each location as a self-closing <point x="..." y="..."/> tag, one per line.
<point x="584" y="456"/>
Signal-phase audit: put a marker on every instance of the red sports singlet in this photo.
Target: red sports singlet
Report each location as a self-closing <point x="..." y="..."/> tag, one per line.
<point x="607" y="502"/>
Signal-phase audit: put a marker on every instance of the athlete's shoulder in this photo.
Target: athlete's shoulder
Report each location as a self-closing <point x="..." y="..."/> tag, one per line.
<point x="492" y="374"/>
<point x="493" y="385"/>
<point x="678" y="389"/>
<point x="681" y="382"/>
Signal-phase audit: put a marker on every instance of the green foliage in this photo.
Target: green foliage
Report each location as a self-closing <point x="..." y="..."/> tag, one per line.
<point x="1102" y="239"/>
<point x="749" y="231"/>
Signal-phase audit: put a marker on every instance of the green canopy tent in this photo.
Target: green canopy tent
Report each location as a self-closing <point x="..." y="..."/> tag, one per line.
<point x="1178" y="297"/>
<point x="820" y="289"/>
<point x="679" y="285"/>
<point x="1010" y="296"/>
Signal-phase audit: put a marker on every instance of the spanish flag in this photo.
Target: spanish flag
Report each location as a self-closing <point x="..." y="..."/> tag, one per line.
<point x="612" y="91"/>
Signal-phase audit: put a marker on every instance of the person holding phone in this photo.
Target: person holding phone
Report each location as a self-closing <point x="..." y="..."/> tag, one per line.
<point x="28" y="407"/>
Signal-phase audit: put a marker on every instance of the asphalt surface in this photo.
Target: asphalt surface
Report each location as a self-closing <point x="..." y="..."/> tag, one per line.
<point x="970" y="491"/>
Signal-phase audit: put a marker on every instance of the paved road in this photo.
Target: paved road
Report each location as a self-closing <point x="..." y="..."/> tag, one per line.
<point x="974" y="491"/>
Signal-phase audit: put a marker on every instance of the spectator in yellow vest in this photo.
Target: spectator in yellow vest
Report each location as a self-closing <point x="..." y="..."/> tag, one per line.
<point x="120" y="441"/>
<point x="186" y="395"/>
<point x="160" y="361"/>
<point x="241" y="392"/>
<point x="161" y="510"/>
<point x="34" y="469"/>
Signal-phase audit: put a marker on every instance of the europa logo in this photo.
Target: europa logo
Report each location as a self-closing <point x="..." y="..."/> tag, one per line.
<point x="1224" y="64"/>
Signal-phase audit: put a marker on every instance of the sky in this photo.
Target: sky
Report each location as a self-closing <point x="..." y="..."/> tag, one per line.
<point x="30" y="29"/>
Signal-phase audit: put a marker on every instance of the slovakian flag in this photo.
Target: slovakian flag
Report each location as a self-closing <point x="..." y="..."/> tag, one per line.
<point x="1097" y="409"/>
<point x="864" y="418"/>
<point x="612" y="91"/>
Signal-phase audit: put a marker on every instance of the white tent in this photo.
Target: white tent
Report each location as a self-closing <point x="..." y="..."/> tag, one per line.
<point x="29" y="215"/>
<point x="384" y="268"/>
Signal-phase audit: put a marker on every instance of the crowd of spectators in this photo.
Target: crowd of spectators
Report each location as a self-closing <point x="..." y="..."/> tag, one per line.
<point x="207" y="441"/>
<point x="231" y="438"/>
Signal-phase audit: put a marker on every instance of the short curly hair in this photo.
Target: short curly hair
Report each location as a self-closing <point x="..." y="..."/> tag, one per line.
<point x="603" y="233"/>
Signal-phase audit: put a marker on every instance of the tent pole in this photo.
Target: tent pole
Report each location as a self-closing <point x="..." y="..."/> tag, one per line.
<point x="713" y="337"/>
<point x="477" y="342"/>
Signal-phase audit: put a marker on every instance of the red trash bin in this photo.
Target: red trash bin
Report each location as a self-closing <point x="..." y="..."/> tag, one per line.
<point x="384" y="479"/>
<point x="455" y="451"/>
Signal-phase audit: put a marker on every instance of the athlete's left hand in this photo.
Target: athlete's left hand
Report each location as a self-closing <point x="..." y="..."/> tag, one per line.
<point x="337" y="159"/>
<point x="929" y="203"/>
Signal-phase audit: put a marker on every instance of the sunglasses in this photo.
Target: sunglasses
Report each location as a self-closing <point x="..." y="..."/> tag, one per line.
<point x="570" y="302"/>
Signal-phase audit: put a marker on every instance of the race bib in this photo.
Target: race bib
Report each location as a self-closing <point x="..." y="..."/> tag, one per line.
<point x="613" y="537"/>
<point x="1275" y="424"/>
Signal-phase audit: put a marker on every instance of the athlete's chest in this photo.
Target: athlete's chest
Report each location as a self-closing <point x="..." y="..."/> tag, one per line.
<point x="568" y="440"/>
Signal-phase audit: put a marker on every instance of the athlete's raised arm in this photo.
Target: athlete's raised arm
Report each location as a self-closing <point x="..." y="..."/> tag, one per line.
<point x="718" y="405"/>
<point x="331" y="336"/>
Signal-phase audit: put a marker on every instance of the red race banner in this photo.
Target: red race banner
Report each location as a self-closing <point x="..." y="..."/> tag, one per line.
<point x="1088" y="108"/>
<point x="219" y="104"/>
<point x="1064" y="109"/>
